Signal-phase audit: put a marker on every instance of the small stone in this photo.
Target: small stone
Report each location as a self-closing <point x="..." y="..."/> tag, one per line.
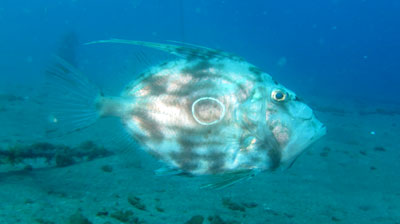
<point x="372" y="168"/>
<point x="64" y="160"/>
<point x="271" y="211"/>
<point x="327" y="149"/>
<point x="379" y="149"/>
<point x="335" y="219"/>
<point x="44" y="221"/>
<point x="102" y="213"/>
<point x="216" y="220"/>
<point x="363" y="152"/>
<point x="122" y="216"/>
<point x="288" y="215"/>
<point x="249" y="204"/>
<point x="136" y="202"/>
<point x="365" y="208"/>
<point x="29" y="201"/>
<point x="107" y="168"/>
<point x="232" y="205"/>
<point x="323" y="154"/>
<point x="197" y="219"/>
<point x="232" y="222"/>
<point x="78" y="218"/>
<point x="28" y="168"/>
<point x="158" y="208"/>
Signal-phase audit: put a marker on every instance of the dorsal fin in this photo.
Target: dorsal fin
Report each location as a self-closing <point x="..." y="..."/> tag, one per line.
<point x="182" y="50"/>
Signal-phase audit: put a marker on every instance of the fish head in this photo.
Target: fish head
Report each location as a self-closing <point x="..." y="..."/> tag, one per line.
<point x="292" y="123"/>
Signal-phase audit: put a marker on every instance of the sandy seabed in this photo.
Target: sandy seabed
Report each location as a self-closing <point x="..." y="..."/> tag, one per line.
<point x="350" y="176"/>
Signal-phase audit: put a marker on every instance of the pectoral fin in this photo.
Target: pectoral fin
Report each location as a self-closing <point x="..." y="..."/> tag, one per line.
<point x="167" y="171"/>
<point x="227" y="179"/>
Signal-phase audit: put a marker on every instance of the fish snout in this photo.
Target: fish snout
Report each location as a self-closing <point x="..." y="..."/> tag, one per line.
<point x="301" y="111"/>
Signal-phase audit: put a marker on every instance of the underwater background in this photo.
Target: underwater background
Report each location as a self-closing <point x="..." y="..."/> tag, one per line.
<point x="340" y="56"/>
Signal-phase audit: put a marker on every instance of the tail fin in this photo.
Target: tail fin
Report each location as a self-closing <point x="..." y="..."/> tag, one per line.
<point x="71" y="99"/>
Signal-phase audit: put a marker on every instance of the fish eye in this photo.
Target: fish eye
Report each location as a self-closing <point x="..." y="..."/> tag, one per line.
<point x="278" y="95"/>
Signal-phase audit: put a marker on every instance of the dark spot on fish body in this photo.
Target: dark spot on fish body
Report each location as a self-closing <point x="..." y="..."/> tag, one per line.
<point x="198" y="70"/>
<point x="213" y="54"/>
<point x="140" y="138"/>
<point x="156" y="84"/>
<point x="181" y="50"/>
<point x="272" y="150"/>
<point x="255" y="160"/>
<point x="163" y="64"/>
<point x="156" y="154"/>
<point x="204" y="79"/>
<point x="275" y="158"/>
<point x="237" y="58"/>
<point x="149" y="125"/>
<point x="195" y="85"/>
<point x="216" y="161"/>
<point x="296" y="98"/>
<point x="132" y="84"/>
<point x="186" y="143"/>
<point x="191" y="58"/>
<point x="186" y="159"/>
<point x="257" y="73"/>
<point x="255" y="70"/>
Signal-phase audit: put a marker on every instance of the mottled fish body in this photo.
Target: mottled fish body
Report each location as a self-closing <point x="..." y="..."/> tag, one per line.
<point x="210" y="112"/>
<point x="194" y="114"/>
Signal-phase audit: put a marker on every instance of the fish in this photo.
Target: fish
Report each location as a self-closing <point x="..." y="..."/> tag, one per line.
<point x="205" y="112"/>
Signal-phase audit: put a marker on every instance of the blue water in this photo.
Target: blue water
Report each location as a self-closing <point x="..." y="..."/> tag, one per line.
<point x="341" y="56"/>
<point x="346" y="47"/>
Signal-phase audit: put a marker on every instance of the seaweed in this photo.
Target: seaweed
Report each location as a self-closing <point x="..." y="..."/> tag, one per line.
<point x="54" y="155"/>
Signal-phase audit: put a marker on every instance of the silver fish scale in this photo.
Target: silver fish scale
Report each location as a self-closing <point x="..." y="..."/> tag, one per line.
<point x="197" y="114"/>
